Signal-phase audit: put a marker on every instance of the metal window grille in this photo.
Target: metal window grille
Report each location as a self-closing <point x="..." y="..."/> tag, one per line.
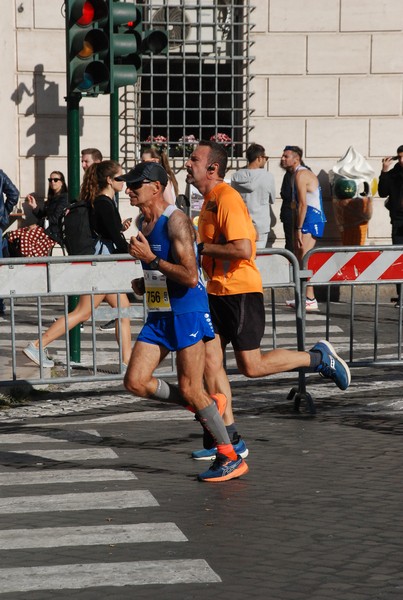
<point x="200" y="87"/>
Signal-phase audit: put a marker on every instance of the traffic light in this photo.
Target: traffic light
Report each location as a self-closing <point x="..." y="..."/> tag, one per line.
<point x="87" y="44"/>
<point x="125" y="43"/>
<point x="105" y="42"/>
<point x="128" y="43"/>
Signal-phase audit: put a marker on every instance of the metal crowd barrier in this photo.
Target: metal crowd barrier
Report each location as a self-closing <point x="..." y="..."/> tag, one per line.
<point x="50" y="281"/>
<point x="280" y="269"/>
<point x="365" y="271"/>
<point x="53" y="280"/>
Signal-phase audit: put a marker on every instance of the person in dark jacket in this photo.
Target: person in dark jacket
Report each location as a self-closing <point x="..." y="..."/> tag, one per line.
<point x="9" y="195"/>
<point x="390" y="185"/>
<point x="286" y="211"/>
<point x="57" y="200"/>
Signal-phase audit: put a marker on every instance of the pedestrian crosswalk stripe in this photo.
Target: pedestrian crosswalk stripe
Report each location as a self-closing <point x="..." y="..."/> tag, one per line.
<point x="51" y="438"/>
<point x="129" y="417"/>
<point x="57" y="537"/>
<point x="84" y="501"/>
<point x="79" y="576"/>
<point x="147" y="415"/>
<point x="47" y="476"/>
<point x="70" y="454"/>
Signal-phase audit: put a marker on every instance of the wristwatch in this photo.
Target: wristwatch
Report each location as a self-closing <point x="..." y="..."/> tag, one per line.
<point x="154" y="263"/>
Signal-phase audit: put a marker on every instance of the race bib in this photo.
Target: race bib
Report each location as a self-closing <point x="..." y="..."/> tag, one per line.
<point x="157" y="296"/>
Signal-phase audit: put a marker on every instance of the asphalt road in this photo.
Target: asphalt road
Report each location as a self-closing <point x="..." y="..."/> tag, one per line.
<point x="99" y="498"/>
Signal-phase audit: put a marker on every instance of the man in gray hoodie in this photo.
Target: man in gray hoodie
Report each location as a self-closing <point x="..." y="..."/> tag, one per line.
<point x="257" y="188"/>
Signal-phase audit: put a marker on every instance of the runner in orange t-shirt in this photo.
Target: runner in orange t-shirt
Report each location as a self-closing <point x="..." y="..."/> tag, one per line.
<point x="225" y="218"/>
<point x="228" y="247"/>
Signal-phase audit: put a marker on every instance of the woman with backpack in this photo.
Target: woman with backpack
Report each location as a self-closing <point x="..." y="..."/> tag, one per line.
<point x="99" y="181"/>
<point x="99" y="189"/>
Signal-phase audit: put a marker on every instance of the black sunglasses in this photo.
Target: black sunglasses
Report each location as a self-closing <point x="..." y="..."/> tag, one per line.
<point x="137" y="185"/>
<point x="54" y="179"/>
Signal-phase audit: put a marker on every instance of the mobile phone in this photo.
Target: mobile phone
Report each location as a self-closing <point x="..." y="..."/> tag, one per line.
<point x="395" y="157"/>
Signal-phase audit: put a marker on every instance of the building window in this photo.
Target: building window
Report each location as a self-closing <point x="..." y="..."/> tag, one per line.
<point x="200" y="87"/>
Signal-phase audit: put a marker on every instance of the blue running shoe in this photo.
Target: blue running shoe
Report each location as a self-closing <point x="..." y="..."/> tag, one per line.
<point x="332" y="366"/>
<point x="224" y="469"/>
<point x="209" y="454"/>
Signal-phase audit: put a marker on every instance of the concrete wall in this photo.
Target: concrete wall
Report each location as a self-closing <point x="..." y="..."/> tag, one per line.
<point x="327" y="75"/>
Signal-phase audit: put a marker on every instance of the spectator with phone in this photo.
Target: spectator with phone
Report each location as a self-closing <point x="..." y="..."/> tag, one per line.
<point x="39" y="239"/>
<point x="390" y="186"/>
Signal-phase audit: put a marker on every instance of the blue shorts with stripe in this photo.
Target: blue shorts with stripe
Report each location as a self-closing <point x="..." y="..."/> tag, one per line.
<point x="315" y="229"/>
<point x="176" y="332"/>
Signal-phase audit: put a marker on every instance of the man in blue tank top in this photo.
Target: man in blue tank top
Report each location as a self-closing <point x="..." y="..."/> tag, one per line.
<point x="310" y="217"/>
<point x="178" y="314"/>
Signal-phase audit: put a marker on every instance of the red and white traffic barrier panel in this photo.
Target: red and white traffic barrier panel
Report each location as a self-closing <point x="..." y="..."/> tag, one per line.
<point x="361" y="266"/>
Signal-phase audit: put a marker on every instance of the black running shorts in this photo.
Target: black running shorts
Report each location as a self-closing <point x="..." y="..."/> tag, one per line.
<point x="239" y="319"/>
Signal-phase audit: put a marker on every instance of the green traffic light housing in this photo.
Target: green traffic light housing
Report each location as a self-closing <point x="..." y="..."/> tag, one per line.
<point x="154" y="41"/>
<point x="87" y="46"/>
<point x="125" y="44"/>
<point x="129" y="43"/>
<point x="105" y="42"/>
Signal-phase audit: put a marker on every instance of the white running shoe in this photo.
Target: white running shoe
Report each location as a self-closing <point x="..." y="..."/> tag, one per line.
<point x="310" y="305"/>
<point x="33" y="354"/>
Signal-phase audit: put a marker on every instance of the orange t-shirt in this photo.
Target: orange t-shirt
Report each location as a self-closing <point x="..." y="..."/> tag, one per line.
<point x="224" y="218"/>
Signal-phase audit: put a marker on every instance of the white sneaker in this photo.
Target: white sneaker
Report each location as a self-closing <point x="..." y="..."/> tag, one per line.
<point x="310" y="305"/>
<point x="33" y="354"/>
<point x="109" y="326"/>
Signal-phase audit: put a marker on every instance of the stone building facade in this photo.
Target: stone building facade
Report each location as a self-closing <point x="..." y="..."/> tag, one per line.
<point x="326" y="74"/>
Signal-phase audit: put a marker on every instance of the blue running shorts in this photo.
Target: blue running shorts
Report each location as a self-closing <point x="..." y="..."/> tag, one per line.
<point x="315" y="229"/>
<point x="175" y="332"/>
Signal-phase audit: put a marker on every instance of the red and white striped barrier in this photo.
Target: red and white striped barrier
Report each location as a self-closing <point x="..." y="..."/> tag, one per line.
<point x="362" y="266"/>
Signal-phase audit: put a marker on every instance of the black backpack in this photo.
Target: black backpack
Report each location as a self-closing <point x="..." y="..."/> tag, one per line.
<point x="77" y="236"/>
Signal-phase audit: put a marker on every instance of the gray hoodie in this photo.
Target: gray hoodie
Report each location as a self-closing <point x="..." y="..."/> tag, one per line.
<point x="257" y="189"/>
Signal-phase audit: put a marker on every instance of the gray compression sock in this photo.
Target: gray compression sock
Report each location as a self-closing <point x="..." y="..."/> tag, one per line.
<point x="212" y="421"/>
<point x="168" y="393"/>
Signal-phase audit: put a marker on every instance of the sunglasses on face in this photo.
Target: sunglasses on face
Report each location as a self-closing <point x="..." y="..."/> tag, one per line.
<point x="54" y="179"/>
<point x="137" y="186"/>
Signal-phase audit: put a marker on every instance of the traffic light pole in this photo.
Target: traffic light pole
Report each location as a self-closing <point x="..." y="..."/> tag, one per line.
<point x="73" y="169"/>
<point x="114" y="125"/>
<point x="114" y="130"/>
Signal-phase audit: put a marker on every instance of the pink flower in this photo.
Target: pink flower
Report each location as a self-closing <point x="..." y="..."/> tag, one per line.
<point x="221" y="138"/>
<point x="159" y="141"/>
<point x="188" y="139"/>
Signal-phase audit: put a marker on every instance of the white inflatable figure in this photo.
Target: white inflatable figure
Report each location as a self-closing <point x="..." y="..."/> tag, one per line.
<point x="353" y="184"/>
<point x="353" y="166"/>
